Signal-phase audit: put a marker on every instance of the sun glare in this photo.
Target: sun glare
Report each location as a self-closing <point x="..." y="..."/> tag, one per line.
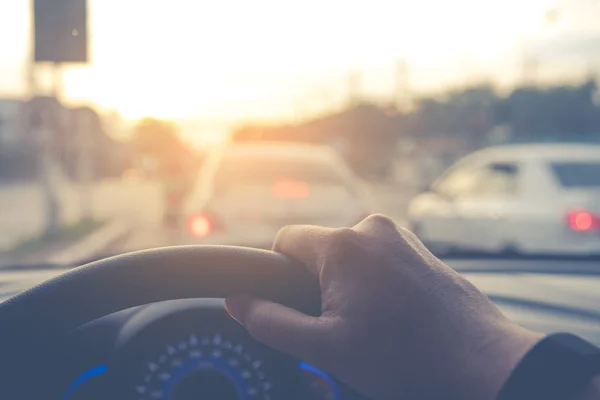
<point x="239" y="59"/>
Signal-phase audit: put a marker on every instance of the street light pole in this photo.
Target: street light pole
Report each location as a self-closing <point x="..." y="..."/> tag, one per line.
<point x="49" y="131"/>
<point x="84" y="151"/>
<point x="40" y="121"/>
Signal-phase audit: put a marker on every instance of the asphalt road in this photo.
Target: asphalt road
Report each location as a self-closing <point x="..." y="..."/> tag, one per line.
<point x="142" y="208"/>
<point x="22" y="213"/>
<point x="147" y="230"/>
<point x="140" y="205"/>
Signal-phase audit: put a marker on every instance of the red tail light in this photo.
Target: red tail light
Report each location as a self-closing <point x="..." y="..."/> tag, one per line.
<point x="290" y="189"/>
<point x="582" y="220"/>
<point x="200" y="225"/>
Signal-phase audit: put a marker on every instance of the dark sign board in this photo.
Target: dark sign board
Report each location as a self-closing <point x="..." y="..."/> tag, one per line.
<point x="60" y="31"/>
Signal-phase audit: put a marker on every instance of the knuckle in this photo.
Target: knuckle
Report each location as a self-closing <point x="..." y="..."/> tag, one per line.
<point x="408" y="237"/>
<point x="282" y="236"/>
<point x="381" y="220"/>
<point x="342" y="238"/>
<point x="406" y="233"/>
<point x="283" y="232"/>
<point x="405" y="239"/>
<point x="344" y="248"/>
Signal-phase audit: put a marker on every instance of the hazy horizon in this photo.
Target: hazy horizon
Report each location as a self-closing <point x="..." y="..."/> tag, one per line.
<point x="269" y="61"/>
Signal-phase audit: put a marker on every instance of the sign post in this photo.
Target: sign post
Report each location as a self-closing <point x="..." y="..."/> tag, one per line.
<point x="42" y="130"/>
<point x="83" y="131"/>
<point x="59" y="36"/>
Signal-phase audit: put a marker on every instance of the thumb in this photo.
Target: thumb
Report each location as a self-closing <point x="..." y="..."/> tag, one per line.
<point x="282" y="328"/>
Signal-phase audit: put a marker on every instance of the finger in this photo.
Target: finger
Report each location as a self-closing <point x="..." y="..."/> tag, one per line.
<point x="376" y="224"/>
<point x="280" y="327"/>
<point x="385" y="229"/>
<point x="411" y="238"/>
<point x="304" y="243"/>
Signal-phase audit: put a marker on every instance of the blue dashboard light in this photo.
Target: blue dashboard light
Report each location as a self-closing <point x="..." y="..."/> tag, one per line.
<point x="90" y="373"/>
<point x="324" y="375"/>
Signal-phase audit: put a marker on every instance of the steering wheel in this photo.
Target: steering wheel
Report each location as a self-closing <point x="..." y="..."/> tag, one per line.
<point x="32" y="322"/>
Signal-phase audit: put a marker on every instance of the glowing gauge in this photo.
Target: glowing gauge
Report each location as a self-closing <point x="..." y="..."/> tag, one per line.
<point x="204" y="367"/>
<point x="321" y="385"/>
<point x="73" y="391"/>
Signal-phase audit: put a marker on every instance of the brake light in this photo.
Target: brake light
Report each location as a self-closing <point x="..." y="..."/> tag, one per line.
<point x="290" y="189"/>
<point x="582" y="220"/>
<point x="200" y="225"/>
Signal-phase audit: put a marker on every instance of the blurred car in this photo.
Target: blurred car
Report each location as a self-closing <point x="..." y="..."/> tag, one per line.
<point x="247" y="191"/>
<point x="530" y="199"/>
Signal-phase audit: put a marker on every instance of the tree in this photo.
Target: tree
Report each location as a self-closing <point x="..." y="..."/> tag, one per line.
<point x="157" y="138"/>
<point x="559" y="112"/>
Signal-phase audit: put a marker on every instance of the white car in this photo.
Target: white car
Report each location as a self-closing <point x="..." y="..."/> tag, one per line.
<point x="246" y="192"/>
<point x="530" y="199"/>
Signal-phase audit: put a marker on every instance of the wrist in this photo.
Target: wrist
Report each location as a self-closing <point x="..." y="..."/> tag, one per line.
<point x="560" y="366"/>
<point x="491" y="362"/>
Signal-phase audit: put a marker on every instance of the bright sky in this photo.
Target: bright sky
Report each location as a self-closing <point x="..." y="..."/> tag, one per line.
<point x="272" y="59"/>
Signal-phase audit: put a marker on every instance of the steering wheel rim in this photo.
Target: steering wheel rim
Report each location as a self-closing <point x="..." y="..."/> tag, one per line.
<point x="112" y="284"/>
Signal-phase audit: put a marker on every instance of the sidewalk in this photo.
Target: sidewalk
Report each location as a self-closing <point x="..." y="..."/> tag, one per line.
<point x="22" y="213"/>
<point x="91" y="245"/>
<point x="67" y="253"/>
<point x="122" y="204"/>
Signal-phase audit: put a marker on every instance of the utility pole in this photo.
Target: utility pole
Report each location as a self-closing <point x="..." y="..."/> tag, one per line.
<point x="530" y="71"/>
<point x="50" y="130"/>
<point x="41" y="120"/>
<point x="83" y="132"/>
<point x="402" y="91"/>
<point x="593" y="69"/>
<point x="43" y="124"/>
<point x="297" y="109"/>
<point x="58" y="36"/>
<point x="354" y="88"/>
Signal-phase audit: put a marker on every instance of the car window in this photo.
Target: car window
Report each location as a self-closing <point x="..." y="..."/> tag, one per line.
<point x="483" y="180"/>
<point x="239" y="170"/>
<point x="577" y="174"/>
<point x="497" y="179"/>
<point x="458" y="182"/>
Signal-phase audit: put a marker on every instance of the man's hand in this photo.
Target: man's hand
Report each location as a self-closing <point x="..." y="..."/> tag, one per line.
<point x="396" y="321"/>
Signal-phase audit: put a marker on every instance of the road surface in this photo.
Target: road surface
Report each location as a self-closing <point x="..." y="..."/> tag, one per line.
<point x="139" y="204"/>
<point x="22" y="206"/>
<point x="148" y="232"/>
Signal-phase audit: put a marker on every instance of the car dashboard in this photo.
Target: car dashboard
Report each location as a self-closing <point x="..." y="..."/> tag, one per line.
<point x="180" y="350"/>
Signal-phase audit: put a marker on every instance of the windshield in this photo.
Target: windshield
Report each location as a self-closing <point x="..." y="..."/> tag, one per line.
<point x="126" y="125"/>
